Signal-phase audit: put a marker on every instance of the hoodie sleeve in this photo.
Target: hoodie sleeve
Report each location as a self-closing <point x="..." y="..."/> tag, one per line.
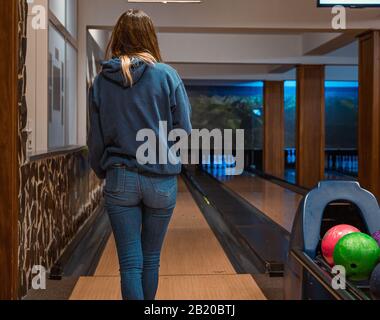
<point x="95" y="137"/>
<point x="181" y="109"/>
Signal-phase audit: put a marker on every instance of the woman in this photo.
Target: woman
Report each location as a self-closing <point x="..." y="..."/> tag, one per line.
<point x="136" y="91"/>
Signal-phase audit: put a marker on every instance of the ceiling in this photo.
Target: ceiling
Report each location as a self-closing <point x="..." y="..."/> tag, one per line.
<point x="243" y="39"/>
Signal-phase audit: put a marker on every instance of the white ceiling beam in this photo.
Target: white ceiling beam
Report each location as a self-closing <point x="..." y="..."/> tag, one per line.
<point x="254" y="72"/>
<point x="254" y="14"/>
<point x="323" y="43"/>
<point x="244" y="49"/>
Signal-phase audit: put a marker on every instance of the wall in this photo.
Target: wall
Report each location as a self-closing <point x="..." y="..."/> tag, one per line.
<point x="57" y="192"/>
<point x="37" y="84"/>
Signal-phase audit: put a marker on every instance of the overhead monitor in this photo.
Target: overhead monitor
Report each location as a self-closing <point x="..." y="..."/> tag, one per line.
<point x="349" y="3"/>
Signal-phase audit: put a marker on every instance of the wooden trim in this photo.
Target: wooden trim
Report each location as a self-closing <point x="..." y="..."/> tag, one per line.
<point x="369" y="112"/>
<point x="56" y="152"/>
<point x="274" y="128"/>
<point x="283" y="68"/>
<point x="310" y="138"/>
<point x="334" y="44"/>
<point x="235" y="30"/>
<point x="9" y="177"/>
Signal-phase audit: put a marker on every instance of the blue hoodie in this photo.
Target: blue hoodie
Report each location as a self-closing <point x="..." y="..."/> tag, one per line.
<point x="118" y="111"/>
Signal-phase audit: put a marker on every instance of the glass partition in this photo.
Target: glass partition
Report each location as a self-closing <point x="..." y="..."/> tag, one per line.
<point x="342" y="98"/>
<point x="233" y="106"/>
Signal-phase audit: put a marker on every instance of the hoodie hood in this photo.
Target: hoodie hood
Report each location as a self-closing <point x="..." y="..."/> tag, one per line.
<point x="112" y="70"/>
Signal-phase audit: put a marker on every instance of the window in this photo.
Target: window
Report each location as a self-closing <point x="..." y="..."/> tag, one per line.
<point x="58" y="8"/>
<point x="234" y="106"/>
<point x="342" y="99"/>
<point x="62" y="75"/>
<point x="290" y="97"/>
<point x="341" y="121"/>
<point x="231" y="106"/>
<point x="51" y="89"/>
<point x="290" y="88"/>
<point x="66" y="13"/>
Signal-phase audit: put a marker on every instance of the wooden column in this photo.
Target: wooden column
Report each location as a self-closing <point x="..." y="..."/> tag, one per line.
<point x="8" y="147"/>
<point x="369" y="111"/>
<point x="274" y="128"/>
<point x="310" y="125"/>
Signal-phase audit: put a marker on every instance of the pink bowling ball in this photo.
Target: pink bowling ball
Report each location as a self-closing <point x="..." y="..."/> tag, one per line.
<point x="332" y="237"/>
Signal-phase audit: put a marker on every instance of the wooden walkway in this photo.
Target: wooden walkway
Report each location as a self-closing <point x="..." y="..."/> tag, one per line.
<point x="193" y="265"/>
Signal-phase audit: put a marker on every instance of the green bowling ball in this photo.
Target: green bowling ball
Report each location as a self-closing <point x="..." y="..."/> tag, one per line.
<point x="358" y="253"/>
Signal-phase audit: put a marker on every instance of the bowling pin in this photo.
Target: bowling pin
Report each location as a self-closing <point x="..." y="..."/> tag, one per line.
<point x="356" y="164"/>
<point x="232" y="161"/>
<point x="204" y="161"/>
<point x="337" y="163"/>
<point x="350" y="167"/>
<point x="289" y="156"/>
<point x="227" y="161"/>
<point x="331" y="162"/>
<point x="294" y="156"/>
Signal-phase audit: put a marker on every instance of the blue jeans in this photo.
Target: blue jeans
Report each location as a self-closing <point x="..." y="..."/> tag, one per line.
<point x="140" y="208"/>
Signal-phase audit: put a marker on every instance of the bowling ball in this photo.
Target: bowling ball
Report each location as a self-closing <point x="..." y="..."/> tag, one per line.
<point x="332" y="237"/>
<point x="358" y="253"/>
<point x="374" y="283"/>
<point x="376" y="236"/>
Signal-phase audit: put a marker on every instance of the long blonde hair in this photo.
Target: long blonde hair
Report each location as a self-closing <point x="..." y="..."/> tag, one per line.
<point x="134" y="36"/>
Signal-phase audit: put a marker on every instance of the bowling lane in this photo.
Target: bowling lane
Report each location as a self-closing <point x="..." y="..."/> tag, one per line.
<point x="278" y="203"/>
<point x="183" y="247"/>
<point x="193" y="266"/>
<point x="185" y="243"/>
<point x="190" y="288"/>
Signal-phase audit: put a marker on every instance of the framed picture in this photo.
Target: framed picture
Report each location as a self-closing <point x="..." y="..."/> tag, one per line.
<point x="57" y="87"/>
<point x="50" y="87"/>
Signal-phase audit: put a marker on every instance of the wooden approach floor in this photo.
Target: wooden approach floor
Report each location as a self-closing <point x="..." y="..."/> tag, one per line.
<point x="193" y="265"/>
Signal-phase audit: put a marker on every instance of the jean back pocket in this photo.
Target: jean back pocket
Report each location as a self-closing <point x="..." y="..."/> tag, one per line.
<point x="164" y="186"/>
<point x="115" y="180"/>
